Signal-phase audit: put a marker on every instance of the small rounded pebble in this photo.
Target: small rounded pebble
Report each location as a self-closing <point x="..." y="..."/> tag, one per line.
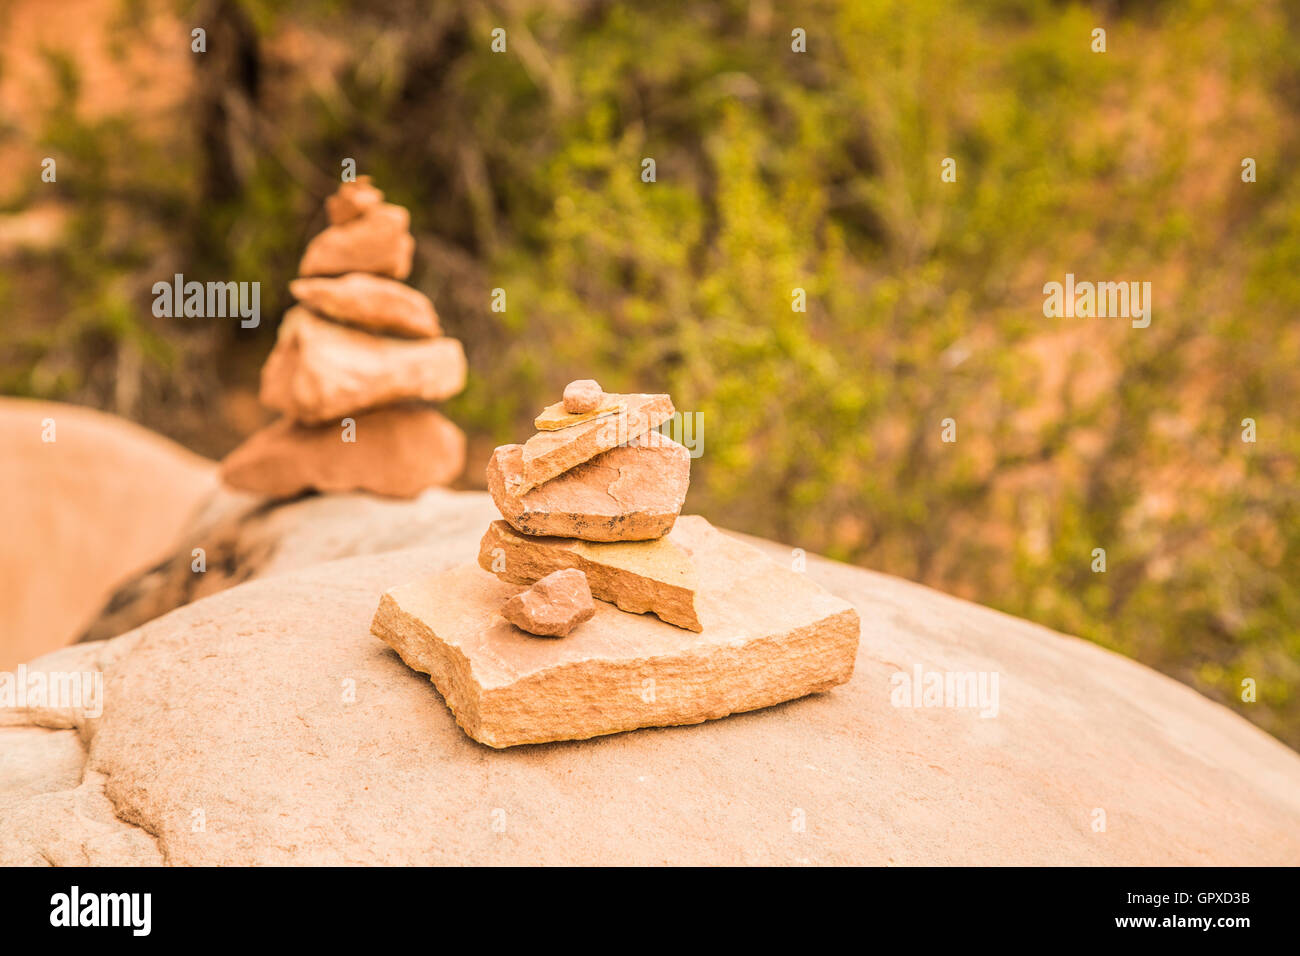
<point x="584" y="395"/>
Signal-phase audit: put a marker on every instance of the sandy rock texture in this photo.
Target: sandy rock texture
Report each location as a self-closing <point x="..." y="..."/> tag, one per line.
<point x="630" y="493"/>
<point x="243" y="538"/>
<point x="638" y="576"/>
<point x="549" y="454"/>
<point x="303" y="739"/>
<point x="399" y="451"/>
<point x="320" y="371"/>
<point x="553" y="606"/>
<point x="770" y="635"/>
<point x="554" y="417"/>
<point x="583" y="396"/>
<point x="81" y="515"/>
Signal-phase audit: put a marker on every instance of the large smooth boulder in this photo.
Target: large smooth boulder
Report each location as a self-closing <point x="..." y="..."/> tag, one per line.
<point x="242" y="538"/>
<point x="264" y="724"/>
<point x="81" y="514"/>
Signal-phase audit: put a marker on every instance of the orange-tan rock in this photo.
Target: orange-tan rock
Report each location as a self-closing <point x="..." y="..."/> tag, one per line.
<point x="657" y="576"/>
<point x="242" y="540"/>
<point x="630" y="493"/>
<point x="369" y="302"/>
<point x="554" y="416"/>
<point x="582" y="396"/>
<point x="378" y="241"/>
<point x="352" y="200"/>
<point x="399" y="451"/>
<point x="769" y="635"/>
<point x="320" y="371"/>
<point x="334" y="365"/>
<point x="553" y="606"/>
<point x="551" y="453"/>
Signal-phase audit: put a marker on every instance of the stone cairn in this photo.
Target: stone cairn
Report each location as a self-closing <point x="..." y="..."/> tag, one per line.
<point x="354" y="365"/>
<point x="597" y="471"/>
<point x="691" y="624"/>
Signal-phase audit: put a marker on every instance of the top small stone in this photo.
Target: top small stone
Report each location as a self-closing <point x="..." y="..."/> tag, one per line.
<point x="581" y="396"/>
<point x="351" y="200"/>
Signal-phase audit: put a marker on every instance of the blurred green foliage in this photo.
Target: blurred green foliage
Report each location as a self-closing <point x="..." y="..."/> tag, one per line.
<point x="778" y="170"/>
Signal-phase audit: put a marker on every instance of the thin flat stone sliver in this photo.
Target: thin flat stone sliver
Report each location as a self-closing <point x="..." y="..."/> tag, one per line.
<point x="549" y="454"/>
<point x="555" y="418"/>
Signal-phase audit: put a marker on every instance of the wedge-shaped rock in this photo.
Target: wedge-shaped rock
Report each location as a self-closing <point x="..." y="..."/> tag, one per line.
<point x="379" y="240"/>
<point x="554" y="417"/>
<point x="770" y="635"/>
<point x="399" y="451"/>
<point x="551" y="453"/>
<point x="639" y="576"/>
<point x="320" y="371"/>
<point x="370" y="302"/>
<point x="630" y="493"/>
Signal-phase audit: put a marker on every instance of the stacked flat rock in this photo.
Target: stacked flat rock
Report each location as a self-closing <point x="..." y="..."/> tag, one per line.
<point x="597" y="471"/>
<point x="363" y="346"/>
<point x="688" y="623"/>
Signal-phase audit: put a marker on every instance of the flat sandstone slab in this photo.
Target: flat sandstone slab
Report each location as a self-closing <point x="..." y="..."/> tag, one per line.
<point x="770" y="635"/>
<point x="554" y="417"/>
<point x="656" y="576"/>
